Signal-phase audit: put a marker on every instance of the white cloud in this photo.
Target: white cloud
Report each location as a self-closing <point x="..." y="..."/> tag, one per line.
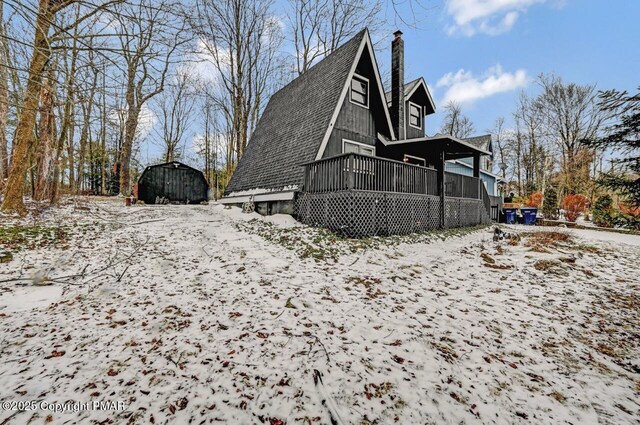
<point x="463" y="87"/>
<point x="204" y="65"/>
<point x="485" y="16"/>
<point x="146" y="120"/>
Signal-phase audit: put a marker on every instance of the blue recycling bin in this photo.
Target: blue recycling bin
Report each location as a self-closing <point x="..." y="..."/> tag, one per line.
<point x="510" y="215"/>
<point x="529" y="215"/>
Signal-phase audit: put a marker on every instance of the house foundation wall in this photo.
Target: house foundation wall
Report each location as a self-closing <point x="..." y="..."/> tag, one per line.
<point x="356" y="213"/>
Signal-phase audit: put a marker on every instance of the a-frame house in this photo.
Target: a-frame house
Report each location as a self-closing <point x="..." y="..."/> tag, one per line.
<point x="335" y="150"/>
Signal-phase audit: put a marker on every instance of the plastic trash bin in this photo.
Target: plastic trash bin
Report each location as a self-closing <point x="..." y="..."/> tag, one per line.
<point x="529" y="215"/>
<point x="509" y="215"/>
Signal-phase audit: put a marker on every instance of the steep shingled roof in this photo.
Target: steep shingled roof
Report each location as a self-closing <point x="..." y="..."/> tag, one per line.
<point x="293" y="124"/>
<point x="482" y="142"/>
<point x="407" y="88"/>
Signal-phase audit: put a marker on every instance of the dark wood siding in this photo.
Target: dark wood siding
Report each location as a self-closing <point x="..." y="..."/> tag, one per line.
<point x="354" y="123"/>
<point x="413" y="133"/>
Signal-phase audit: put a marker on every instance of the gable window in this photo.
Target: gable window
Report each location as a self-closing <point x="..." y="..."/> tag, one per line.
<point x="360" y="91"/>
<point x="349" y="146"/>
<point x="415" y="115"/>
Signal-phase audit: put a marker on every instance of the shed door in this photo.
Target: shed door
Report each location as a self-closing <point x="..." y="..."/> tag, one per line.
<point x="173" y="178"/>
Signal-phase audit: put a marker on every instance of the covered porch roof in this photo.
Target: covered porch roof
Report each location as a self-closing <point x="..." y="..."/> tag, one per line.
<point x="431" y="146"/>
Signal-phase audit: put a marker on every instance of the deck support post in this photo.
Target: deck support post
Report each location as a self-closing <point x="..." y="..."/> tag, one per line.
<point x="440" y="165"/>
<point x="476" y="171"/>
<point x="351" y="176"/>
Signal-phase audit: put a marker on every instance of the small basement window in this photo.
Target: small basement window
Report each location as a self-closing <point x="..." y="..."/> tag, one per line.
<point x="360" y="91"/>
<point x="415" y="115"/>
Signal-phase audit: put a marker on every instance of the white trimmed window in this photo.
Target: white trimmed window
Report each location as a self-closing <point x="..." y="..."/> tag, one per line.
<point x="415" y="116"/>
<point x="349" y="146"/>
<point x="359" y="164"/>
<point x="359" y="91"/>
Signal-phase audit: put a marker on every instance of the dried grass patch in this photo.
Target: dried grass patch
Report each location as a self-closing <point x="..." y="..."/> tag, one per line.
<point x="558" y="396"/>
<point x="369" y="283"/>
<point x="546" y="265"/>
<point x="543" y="241"/>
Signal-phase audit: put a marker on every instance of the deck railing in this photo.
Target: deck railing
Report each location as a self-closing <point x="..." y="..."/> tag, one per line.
<point x="460" y="186"/>
<point x="363" y="172"/>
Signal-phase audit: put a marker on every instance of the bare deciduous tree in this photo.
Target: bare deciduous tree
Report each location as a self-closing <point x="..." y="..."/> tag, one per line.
<point x="498" y="137"/>
<point x="572" y="115"/>
<point x="4" y="99"/>
<point x="241" y="39"/>
<point x="87" y="108"/>
<point x="455" y="123"/>
<point x="175" y="107"/>
<point x="149" y="35"/>
<point x="41" y="54"/>
<point x="320" y="27"/>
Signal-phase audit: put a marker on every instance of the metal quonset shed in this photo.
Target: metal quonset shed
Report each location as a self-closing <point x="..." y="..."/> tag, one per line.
<point x="173" y="181"/>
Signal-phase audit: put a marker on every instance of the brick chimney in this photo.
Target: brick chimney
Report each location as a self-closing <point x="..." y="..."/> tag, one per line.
<point x="397" y="85"/>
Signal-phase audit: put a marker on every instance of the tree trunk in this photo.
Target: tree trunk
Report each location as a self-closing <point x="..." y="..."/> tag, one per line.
<point x="127" y="147"/>
<point x="70" y="145"/>
<point x="84" y="134"/>
<point x="103" y="137"/>
<point x="4" y="107"/>
<point x="103" y="154"/>
<point x="45" y="151"/>
<point x="23" y="140"/>
<point x="67" y="122"/>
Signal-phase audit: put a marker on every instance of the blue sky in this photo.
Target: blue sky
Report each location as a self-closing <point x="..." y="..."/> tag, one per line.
<point x="493" y="49"/>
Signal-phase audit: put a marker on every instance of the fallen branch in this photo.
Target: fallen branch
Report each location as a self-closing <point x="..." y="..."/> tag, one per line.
<point x="123" y="272"/>
<point x="323" y="347"/>
<point x="326" y="399"/>
<point x="146" y="221"/>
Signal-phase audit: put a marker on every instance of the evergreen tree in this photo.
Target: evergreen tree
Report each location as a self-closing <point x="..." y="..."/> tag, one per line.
<point x="623" y="136"/>
<point x="550" y="204"/>
<point x="603" y="211"/>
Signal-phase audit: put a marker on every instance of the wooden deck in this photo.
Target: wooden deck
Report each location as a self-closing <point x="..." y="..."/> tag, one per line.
<point x="362" y="195"/>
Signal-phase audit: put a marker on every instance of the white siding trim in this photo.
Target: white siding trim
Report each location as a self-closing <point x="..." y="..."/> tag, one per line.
<point x="366" y="41"/>
<point x="424" y="162"/>
<point x="426" y="88"/>
<point x="482" y="170"/>
<point x="271" y="196"/>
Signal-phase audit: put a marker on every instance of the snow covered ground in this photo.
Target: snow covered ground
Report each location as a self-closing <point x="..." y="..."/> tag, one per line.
<point x="201" y="314"/>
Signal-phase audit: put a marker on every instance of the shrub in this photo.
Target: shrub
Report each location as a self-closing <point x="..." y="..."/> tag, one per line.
<point x="535" y="200"/>
<point x="629" y="217"/>
<point x="522" y="200"/>
<point x="550" y="205"/>
<point x="627" y="210"/>
<point x="604" y="214"/>
<point x="574" y="205"/>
